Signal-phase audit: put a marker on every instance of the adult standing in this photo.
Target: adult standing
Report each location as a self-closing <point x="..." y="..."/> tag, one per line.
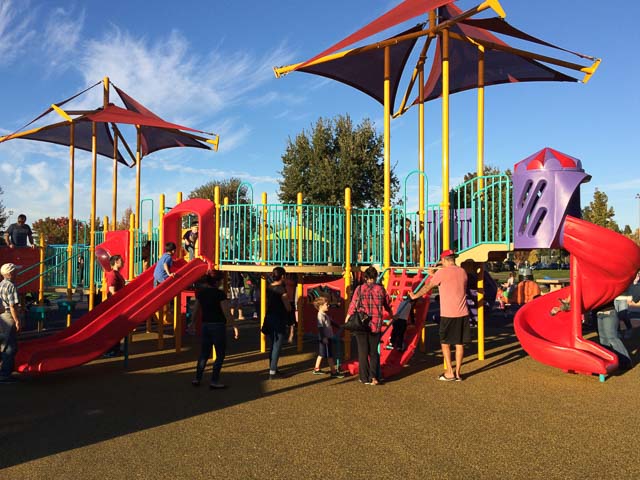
<point x="370" y="298"/>
<point x="208" y="301"/>
<point x="9" y="322"/>
<point x="18" y="233"/>
<point x="278" y="324"/>
<point x="454" y="314"/>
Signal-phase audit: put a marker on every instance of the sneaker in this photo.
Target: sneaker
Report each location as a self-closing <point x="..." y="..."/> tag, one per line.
<point x="8" y="380"/>
<point x="389" y="346"/>
<point x="216" y="386"/>
<point x="195" y="382"/>
<point x="318" y="372"/>
<point x="336" y="375"/>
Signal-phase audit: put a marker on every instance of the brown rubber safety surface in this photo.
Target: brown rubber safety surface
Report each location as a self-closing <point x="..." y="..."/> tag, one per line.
<point x="510" y="418"/>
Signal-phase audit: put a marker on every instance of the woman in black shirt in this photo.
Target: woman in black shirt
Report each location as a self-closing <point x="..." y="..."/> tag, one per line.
<point x="209" y="301"/>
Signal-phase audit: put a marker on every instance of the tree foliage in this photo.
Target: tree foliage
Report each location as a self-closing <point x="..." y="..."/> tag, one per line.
<point x="124" y="223"/>
<point x="56" y="230"/>
<point x="599" y="212"/>
<point x="4" y="215"/>
<point x="332" y="155"/>
<point x="228" y="188"/>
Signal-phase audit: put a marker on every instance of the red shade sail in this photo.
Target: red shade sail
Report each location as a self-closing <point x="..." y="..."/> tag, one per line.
<point x="154" y="139"/>
<point x="405" y="11"/>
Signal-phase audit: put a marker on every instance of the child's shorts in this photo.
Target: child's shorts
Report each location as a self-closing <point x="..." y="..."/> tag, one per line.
<point x="325" y="350"/>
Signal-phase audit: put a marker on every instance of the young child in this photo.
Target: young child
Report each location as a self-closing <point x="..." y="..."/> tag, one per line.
<point x="403" y="313"/>
<point x="325" y="332"/>
<point x="162" y="272"/>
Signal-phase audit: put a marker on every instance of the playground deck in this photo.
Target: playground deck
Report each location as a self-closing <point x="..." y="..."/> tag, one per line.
<point x="511" y="418"/>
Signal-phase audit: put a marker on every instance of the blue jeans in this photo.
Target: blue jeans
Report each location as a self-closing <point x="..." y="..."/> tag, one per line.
<point x="10" y="348"/>
<point x="622" y="307"/>
<point x="276" y="339"/>
<point x="608" y="325"/>
<point x="213" y="335"/>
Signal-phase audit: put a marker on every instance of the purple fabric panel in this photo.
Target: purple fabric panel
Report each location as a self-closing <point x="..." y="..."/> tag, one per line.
<point x="500" y="67"/>
<point x="82" y="138"/>
<point x="498" y="25"/>
<point x="365" y="71"/>
<point x="154" y="139"/>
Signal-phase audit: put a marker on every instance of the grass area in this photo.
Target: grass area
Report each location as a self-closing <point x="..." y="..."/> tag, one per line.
<point x="537" y="275"/>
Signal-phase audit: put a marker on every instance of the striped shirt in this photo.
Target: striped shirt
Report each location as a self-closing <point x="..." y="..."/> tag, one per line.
<point x="373" y="299"/>
<point x="8" y="294"/>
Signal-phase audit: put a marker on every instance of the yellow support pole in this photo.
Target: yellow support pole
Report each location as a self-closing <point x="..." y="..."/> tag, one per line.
<point x="263" y="278"/>
<point x="149" y="232"/>
<point x="225" y="203"/>
<point x="421" y="166"/>
<point x="105" y="92"/>
<point x="446" y="225"/>
<point x="92" y="222"/>
<point x="346" y="294"/>
<point x="480" y="160"/>
<point x="161" y="203"/>
<point x="105" y="289"/>
<point x="138" y="172"/>
<point x="179" y="232"/>
<point x="299" y="286"/>
<point x="481" y="302"/>
<point x="41" y="272"/>
<point x="386" y="209"/>
<point x="114" y="185"/>
<point x="216" y="201"/>
<point x="132" y="242"/>
<point x="72" y="157"/>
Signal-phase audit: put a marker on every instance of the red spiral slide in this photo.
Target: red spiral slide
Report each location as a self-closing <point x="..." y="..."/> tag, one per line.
<point x="603" y="264"/>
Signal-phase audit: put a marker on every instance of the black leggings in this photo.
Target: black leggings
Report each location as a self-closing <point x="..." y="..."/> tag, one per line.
<point x="368" y="356"/>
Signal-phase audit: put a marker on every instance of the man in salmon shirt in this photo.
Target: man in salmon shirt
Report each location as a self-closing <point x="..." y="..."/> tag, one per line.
<point x="454" y="315"/>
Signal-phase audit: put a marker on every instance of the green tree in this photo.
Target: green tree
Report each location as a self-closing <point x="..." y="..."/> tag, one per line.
<point x="4" y="215"/>
<point x="332" y="155"/>
<point x="228" y="188"/>
<point x="56" y="230"/>
<point x="627" y="230"/>
<point x="599" y="212"/>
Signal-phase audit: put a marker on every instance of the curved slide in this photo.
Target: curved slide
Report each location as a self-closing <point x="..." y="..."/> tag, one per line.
<point x="96" y="332"/>
<point x="603" y="264"/>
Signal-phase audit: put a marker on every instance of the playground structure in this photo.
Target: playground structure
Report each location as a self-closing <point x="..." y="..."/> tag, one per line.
<point x="474" y="219"/>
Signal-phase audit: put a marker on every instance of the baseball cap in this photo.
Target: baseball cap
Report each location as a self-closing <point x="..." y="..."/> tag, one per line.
<point x="447" y="253"/>
<point x="7" y="268"/>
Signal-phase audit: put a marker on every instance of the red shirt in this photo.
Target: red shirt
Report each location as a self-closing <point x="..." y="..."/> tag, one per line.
<point x="452" y="283"/>
<point x="373" y="298"/>
<point x="115" y="280"/>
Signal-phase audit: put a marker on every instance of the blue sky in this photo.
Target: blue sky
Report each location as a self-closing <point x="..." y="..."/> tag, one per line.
<point x="208" y="65"/>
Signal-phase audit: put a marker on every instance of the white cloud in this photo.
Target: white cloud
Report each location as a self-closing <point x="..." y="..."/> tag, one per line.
<point x="62" y="35"/>
<point x="171" y="80"/>
<point x="15" y="29"/>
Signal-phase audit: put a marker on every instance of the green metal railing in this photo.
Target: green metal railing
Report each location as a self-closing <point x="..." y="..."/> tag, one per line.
<point x="482" y="216"/>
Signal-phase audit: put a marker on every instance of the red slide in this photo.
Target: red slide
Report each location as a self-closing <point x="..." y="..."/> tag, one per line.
<point x="603" y="264"/>
<point x="96" y="332"/>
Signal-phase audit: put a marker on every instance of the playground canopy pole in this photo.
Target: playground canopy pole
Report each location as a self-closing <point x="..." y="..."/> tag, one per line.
<point x="421" y="159"/>
<point x="138" y="172"/>
<point x="347" y="267"/>
<point x="263" y="277"/>
<point x="72" y="156"/>
<point x="387" y="160"/>
<point x="446" y="227"/>
<point x="480" y="168"/>
<point x="92" y="222"/>
<point x="299" y="288"/>
<point x="114" y="187"/>
<point x="216" y="201"/>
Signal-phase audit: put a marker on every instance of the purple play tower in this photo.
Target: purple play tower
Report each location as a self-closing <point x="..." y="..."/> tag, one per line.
<point x="546" y="188"/>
